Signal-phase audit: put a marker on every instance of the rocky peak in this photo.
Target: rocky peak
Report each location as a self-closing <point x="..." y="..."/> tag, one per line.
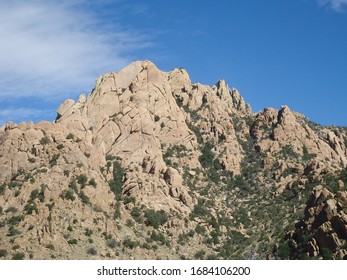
<point x="150" y="158"/>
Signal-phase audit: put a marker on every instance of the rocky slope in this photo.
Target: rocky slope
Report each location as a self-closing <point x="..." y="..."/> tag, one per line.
<point x="149" y="162"/>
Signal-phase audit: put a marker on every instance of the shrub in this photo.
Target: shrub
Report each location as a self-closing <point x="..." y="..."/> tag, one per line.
<point x="45" y="140"/>
<point x="88" y="232"/>
<point x="1" y="210"/>
<point x="199" y="255"/>
<point x="18" y="256"/>
<point x="200" y="229"/>
<point x="32" y="160"/>
<point x="284" y="251"/>
<point x="84" y="198"/>
<point x="2" y="189"/>
<point x="34" y="194"/>
<point x="112" y="243"/>
<point x="327" y="253"/>
<point x="158" y="237"/>
<point x="127" y="242"/>
<point x="82" y="179"/>
<point x="207" y="157"/>
<point x="136" y="214"/>
<point x="110" y="157"/>
<point x="3" y="253"/>
<point x="68" y="194"/>
<point x="54" y="160"/>
<point x="92" y="183"/>
<point x="30" y="207"/>
<point x="129" y="199"/>
<point x="50" y="246"/>
<point x="11" y="210"/>
<point x="155" y="218"/>
<point x="12" y="231"/>
<point x="60" y="146"/>
<point x="200" y="210"/>
<point x="288" y="152"/>
<point x="87" y="154"/>
<point x="66" y="173"/>
<point x="117" y="181"/>
<point x="156" y="118"/>
<point x="72" y="241"/>
<point x="70" y="136"/>
<point x="15" y="220"/>
<point x="92" y="251"/>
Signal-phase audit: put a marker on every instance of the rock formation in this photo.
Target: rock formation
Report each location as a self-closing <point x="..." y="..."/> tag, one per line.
<point x="149" y="161"/>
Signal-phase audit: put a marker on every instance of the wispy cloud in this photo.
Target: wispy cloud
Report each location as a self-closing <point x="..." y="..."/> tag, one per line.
<point x="336" y="5"/>
<point x="50" y="49"/>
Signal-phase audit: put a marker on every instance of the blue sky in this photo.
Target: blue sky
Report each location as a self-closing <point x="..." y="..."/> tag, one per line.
<point x="287" y="52"/>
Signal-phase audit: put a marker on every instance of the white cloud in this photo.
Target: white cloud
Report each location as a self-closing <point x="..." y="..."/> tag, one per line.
<point x="336" y="5"/>
<point x="50" y="49"/>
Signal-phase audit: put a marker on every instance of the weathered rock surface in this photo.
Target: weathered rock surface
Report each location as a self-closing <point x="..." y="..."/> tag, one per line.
<point x="148" y="160"/>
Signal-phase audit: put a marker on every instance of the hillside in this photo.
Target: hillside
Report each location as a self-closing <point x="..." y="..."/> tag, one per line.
<point x="152" y="166"/>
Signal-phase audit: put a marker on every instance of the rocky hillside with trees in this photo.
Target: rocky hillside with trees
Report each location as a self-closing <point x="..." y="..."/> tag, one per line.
<point x="152" y="166"/>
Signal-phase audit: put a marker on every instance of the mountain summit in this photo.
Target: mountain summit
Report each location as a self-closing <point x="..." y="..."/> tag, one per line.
<point x="149" y="162"/>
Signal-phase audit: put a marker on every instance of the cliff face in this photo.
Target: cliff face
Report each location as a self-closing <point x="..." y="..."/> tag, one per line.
<point x="149" y="162"/>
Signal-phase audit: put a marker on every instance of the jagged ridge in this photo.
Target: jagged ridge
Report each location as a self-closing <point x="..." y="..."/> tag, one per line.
<point x="148" y="160"/>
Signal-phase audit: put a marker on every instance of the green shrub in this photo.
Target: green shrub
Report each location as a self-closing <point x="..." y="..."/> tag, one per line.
<point x="92" y="183"/>
<point x="112" y="243"/>
<point x="2" y="189"/>
<point x="199" y="255"/>
<point x="31" y="207"/>
<point x="68" y="194"/>
<point x="50" y="246"/>
<point x="3" y="253"/>
<point x="72" y="241"/>
<point x="84" y="198"/>
<point x="155" y="218"/>
<point x="288" y="152"/>
<point x="136" y="214"/>
<point x="34" y="194"/>
<point x="207" y="157"/>
<point x="45" y="140"/>
<point x="327" y="254"/>
<point x="284" y="251"/>
<point x="15" y="220"/>
<point x="117" y="181"/>
<point x="127" y="242"/>
<point x="70" y="136"/>
<point x="18" y="256"/>
<point x="88" y="232"/>
<point x="60" y="146"/>
<point x="82" y="179"/>
<point x="92" y="251"/>
<point x="200" y="229"/>
<point x="11" y="210"/>
<point x="200" y="209"/>
<point x="54" y="160"/>
<point x="12" y="231"/>
<point x="110" y="157"/>
<point x="158" y="237"/>
<point x="129" y="199"/>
